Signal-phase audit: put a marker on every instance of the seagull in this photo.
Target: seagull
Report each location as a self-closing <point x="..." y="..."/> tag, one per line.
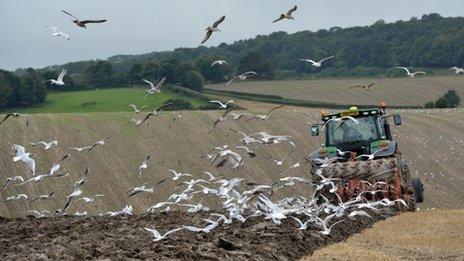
<point x="57" y="32"/>
<point x="177" y="175"/>
<point x="219" y="62"/>
<point x="76" y="193"/>
<point x="17" y="197"/>
<point x="91" y="199"/>
<point x="80" y="214"/>
<point x="319" y="63"/>
<point x="99" y="143"/>
<point x="140" y="189"/>
<point x="457" y="70"/>
<point x="241" y="77"/>
<point x="59" y="81"/>
<point x="211" y="29"/>
<point x="154" y="89"/>
<point x="210" y="175"/>
<point x="247" y="139"/>
<point x="288" y="15"/>
<point x="238" y="116"/>
<point x="137" y="111"/>
<point x="228" y="156"/>
<point x="10" y="180"/>
<point x="44" y="197"/>
<point x="363" y="86"/>
<point x="281" y="162"/>
<point x="221" y="118"/>
<point x="14" y="115"/>
<point x="341" y="119"/>
<point x="80" y="149"/>
<point x="409" y="74"/>
<point x="38" y="214"/>
<point x="223" y="105"/>
<point x="47" y="145"/>
<point x="154" y="113"/>
<point x="83" y="23"/>
<point x="265" y="116"/>
<point x="81" y="181"/>
<point x="144" y="165"/>
<point x="323" y="223"/>
<point x="369" y="156"/>
<point x="249" y="152"/>
<point x="361" y="213"/>
<point x="36" y="179"/>
<point x="303" y="226"/>
<point x="21" y="154"/>
<point x="157" y="236"/>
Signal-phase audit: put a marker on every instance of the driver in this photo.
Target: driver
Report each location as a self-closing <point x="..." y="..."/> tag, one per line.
<point x="350" y="133"/>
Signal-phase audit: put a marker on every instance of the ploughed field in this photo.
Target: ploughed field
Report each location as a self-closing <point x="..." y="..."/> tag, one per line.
<point x="394" y="91"/>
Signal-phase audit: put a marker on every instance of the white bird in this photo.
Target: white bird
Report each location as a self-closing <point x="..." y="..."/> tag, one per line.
<point x="361" y="213"/>
<point x="213" y="28"/>
<point x="59" y="81"/>
<point x="10" y="180"/>
<point x="57" y="32"/>
<point x="157" y="236"/>
<point x="14" y="115"/>
<point x="409" y="74"/>
<point x="241" y="77"/>
<point x="47" y="145"/>
<point x="287" y="15"/>
<point x="281" y="162"/>
<point x="219" y="62"/>
<point x="140" y="189"/>
<point x="144" y="165"/>
<point x="317" y="64"/>
<point x="81" y="181"/>
<point x="210" y="175"/>
<point x="99" y="143"/>
<point x="21" y="155"/>
<point x="36" y="179"/>
<point x="44" y="197"/>
<point x="39" y="214"/>
<point x="154" y="89"/>
<point x="76" y="193"/>
<point x="249" y="152"/>
<point x="136" y="110"/>
<point x="323" y="224"/>
<point x="80" y="214"/>
<point x="457" y="70"/>
<point x="16" y="197"/>
<point x="223" y="105"/>
<point x="80" y="149"/>
<point x="177" y="175"/>
<point x="92" y="198"/>
<point x="265" y="116"/>
<point x="247" y="139"/>
<point x="341" y="119"/>
<point x="303" y="226"/>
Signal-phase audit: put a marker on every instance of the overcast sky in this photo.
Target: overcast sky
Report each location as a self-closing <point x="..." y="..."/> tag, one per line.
<point x="141" y="26"/>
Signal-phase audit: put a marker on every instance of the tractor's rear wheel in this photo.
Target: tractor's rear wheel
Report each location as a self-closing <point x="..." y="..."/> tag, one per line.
<point x="418" y="188"/>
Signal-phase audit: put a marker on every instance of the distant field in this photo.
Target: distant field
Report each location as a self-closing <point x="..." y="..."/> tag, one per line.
<point x="108" y="100"/>
<point x="394" y="91"/>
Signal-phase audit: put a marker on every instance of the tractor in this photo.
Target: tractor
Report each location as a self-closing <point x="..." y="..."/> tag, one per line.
<point x="360" y="155"/>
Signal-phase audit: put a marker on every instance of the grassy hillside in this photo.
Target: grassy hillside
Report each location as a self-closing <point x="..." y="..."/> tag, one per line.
<point x="107" y="100"/>
<point x="432" y="141"/>
<point x="394" y="91"/>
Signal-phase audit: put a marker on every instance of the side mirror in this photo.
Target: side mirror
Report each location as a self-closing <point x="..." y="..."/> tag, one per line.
<point x="315" y="130"/>
<point x="397" y="119"/>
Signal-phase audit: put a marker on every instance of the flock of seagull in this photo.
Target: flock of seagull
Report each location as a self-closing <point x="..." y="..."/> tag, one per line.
<point x="239" y="199"/>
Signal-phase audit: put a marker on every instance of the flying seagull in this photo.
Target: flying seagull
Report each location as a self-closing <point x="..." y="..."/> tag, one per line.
<point x="223" y="105"/>
<point x="83" y="23"/>
<point x="21" y="155"/>
<point x="213" y="28"/>
<point x="219" y="62"/>
<point x="457" y="70"/>
<point x="363" y="86"/>
<point x="220" y="119"/>
<point x="154" y="89"/>
<point x="136" y="110"/>
<point x="47" y="145"/>
<point x="76" y="193"/>
<point x="99" y="143"/>
<point x="10" y="180"/>
<point x="157" y="236"/>
<point x="409" y="74"/>
<point x="319" y="63"/>
<point x="59" y="81"/>
<point x="242" y="77"/>
<point x="144" y="165"/>
<point x="177" y="175"/>
<point x="17" y="197"/>
<point x="288" y="15"/>
<point x="154" y="113"/>
<point x="140" y="189"/>
<point x="44" y="197"/>
<point x="265" y="116"/>
<point x="14" y="115"/>
<point x="57" y="32"/>
<point x="92" y="198"/>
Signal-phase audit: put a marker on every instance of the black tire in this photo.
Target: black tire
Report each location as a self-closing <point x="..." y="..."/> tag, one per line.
<point x="418" y="188"/>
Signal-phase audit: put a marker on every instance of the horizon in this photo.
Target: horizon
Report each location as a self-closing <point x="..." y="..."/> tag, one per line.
<point x="18" y="53"/>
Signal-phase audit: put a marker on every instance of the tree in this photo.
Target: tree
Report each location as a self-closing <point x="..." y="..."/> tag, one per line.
<point x="258" y="63"/>
<point x="6" y="88"/>
<point x="99" y="75"/>
<point x="453" y="99"/>
<point x="167" y="70"/>
<point x="194" y="80"/>
<point x="429" y="105"/>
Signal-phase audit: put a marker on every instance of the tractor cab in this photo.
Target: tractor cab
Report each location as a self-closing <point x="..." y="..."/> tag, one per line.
<point x="356" y="132"/>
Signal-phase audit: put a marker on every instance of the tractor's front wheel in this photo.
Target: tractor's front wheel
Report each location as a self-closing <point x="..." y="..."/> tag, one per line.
<point x="418" y="188"/>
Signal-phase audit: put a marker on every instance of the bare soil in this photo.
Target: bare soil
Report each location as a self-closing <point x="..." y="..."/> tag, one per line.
<point x="125" y="238"/>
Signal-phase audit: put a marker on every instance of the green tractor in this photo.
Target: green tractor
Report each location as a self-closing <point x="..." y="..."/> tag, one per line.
<point x="360" y="154"/>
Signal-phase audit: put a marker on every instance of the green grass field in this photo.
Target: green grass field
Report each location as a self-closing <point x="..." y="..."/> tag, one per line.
<point x="108" y="100"/>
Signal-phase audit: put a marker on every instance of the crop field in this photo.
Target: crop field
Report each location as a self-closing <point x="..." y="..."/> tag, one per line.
<point x="394" y="91"/>
<point x="105" y="100"/>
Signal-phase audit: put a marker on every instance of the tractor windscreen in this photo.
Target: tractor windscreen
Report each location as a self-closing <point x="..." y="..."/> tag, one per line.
<point x="353" y="130"/>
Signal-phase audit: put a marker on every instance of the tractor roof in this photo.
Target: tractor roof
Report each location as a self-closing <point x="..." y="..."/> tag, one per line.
<point x="352" y="112"/>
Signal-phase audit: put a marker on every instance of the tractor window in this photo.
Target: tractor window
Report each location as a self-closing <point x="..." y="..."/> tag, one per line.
<point x="348" y="131"/>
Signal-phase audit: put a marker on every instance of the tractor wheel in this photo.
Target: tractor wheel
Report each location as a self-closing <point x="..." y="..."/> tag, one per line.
<point x="418" y="188"/>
